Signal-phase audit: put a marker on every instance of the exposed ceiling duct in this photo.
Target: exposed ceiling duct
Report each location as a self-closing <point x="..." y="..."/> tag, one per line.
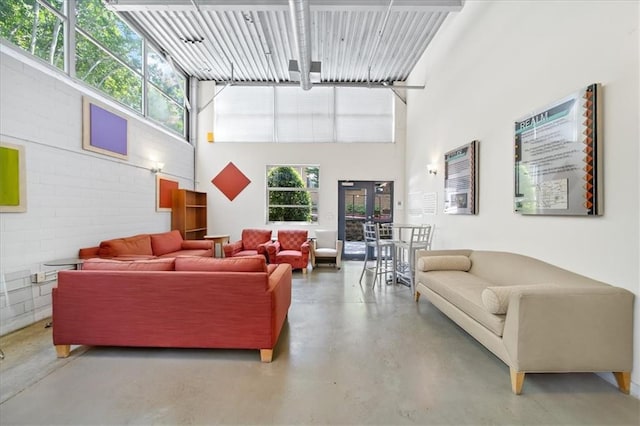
<point x="360" y="42"/>
<point x="301" y="25"/>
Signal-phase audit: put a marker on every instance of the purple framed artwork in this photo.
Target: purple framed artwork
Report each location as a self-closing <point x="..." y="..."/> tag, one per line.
<point x="103" y="130"/>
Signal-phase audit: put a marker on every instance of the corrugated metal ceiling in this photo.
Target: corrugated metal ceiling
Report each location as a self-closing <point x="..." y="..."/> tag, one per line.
<point x="357" y="41"/>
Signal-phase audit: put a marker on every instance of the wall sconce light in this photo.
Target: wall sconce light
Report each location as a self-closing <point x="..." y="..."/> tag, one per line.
<point x="157" y="168"/>
<point x="432" y="169"/>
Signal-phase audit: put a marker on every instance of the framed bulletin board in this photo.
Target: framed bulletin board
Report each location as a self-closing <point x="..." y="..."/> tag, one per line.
<point x="558" y="157"/>
<point x="461" y="180"/>
<point x="103" y="130"/>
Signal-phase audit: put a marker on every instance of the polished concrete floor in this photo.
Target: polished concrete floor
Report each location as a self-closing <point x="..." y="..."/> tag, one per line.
<point x="348" y="355"/>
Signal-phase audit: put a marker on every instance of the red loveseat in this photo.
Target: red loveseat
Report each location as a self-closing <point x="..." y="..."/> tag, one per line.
<point x="165" y="244"/>
<point x="186" y="302"/>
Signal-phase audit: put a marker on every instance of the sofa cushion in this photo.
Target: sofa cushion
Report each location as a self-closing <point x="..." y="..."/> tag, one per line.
<point x="444" y="263"/>
<point x="245" y="253"/>
<point x="166" y="242"/>
<point x="97" y="264"/>
<point x="188" y="253"/>
<point x="325" y="252"/>
<point x="496" y="298"/>
<point x="138" y="244"/>
<point x="134" y="257"/>
<point x="464" y="291"/>
<point x="231" y="264"/>
<point x="197" y="245"/>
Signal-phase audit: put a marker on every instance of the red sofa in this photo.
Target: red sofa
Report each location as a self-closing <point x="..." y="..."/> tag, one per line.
<point x="186" y="302"/>
<point x="165" y="244"/>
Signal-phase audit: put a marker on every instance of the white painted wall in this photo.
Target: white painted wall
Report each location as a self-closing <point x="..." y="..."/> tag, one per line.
<point x="497" y="61"/>
<point x="338" y="161"/>
<point x="75" y="198"/>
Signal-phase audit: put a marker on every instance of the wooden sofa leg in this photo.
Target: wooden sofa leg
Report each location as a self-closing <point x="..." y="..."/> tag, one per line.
<point x="517" y="380"/>
<point x="416" y="296"/>
<point x="266" y="355"/>
<point x="624" y="380"/>
<point x="62" y="351"/>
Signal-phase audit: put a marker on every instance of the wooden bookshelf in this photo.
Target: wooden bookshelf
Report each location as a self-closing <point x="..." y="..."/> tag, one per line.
<point x="189" y="213"/>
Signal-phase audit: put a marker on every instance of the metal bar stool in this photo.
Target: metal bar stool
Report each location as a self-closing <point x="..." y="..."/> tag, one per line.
<point x="416" y="237"/>
<point x="380" y="240"/>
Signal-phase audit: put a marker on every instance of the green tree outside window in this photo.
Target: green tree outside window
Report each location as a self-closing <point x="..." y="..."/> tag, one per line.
<point x="288" y="205"/>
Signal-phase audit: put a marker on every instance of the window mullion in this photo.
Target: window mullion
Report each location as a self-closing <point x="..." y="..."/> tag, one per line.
<point x="70" y="39"/>
<point x="145" y="78"/>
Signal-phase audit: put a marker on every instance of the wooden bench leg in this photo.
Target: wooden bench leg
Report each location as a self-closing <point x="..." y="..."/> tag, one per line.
<point x="266" y="355"/>
<point x="63" y="350"/>
<point x="624" y="380"/>
<point x="517" y="380"/>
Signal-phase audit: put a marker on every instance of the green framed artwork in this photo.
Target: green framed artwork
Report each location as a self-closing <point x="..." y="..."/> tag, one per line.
<point x="13" y="182"/>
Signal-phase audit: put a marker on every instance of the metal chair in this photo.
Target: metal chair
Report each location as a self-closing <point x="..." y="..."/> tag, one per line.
<point x="379" y="238"/>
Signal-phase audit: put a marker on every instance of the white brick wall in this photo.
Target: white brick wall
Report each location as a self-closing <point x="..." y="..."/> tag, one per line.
<point x="75" y="198"/>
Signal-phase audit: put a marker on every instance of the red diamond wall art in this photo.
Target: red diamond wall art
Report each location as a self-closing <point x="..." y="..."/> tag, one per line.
<point x="230" y="181"/>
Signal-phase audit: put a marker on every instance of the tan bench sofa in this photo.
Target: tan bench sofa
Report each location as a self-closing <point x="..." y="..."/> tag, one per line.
<point x="534" y="316"/>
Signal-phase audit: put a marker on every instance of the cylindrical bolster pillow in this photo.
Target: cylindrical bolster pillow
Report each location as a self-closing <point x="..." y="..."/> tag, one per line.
<point x="444" y="263"/>
<point x="496" y="298"/>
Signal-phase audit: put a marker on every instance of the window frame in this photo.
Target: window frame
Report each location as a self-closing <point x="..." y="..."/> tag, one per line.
<point x="70" y="29"/>
<point x="315" y="207"/>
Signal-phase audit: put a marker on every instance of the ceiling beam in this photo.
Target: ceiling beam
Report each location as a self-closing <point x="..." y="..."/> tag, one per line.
<point x="316" y="5"/>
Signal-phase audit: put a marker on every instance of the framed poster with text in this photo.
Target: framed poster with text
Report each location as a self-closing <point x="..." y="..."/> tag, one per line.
<point x="461" y="180"/>
<point x="557" y="157"/>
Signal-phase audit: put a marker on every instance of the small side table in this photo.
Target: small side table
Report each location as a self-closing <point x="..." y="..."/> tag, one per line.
<point x="75" y="262"/>
<point x="218" y="239"/>
<point x="72" y="261"/>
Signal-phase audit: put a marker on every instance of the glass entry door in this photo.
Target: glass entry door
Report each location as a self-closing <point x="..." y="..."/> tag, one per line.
<point x="358" y="202"/>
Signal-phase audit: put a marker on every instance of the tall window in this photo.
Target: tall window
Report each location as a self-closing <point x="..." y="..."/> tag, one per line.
<point x="289" y="114"/>
<point x="108" y="54"/>
<point x="292" y="193"/>
<point x="165" y="92"/>
<point x="36" y="27"/>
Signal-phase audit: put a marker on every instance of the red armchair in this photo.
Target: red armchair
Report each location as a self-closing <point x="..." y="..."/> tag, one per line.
<point x="292" y="247"/>
<point x="253" y="242"/>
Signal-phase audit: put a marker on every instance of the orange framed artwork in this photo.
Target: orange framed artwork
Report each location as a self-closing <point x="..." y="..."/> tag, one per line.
<point x="164" y="186"/>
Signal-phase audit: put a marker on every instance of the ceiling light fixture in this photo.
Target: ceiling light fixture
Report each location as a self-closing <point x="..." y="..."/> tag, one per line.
<point x="192" y="40"/>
